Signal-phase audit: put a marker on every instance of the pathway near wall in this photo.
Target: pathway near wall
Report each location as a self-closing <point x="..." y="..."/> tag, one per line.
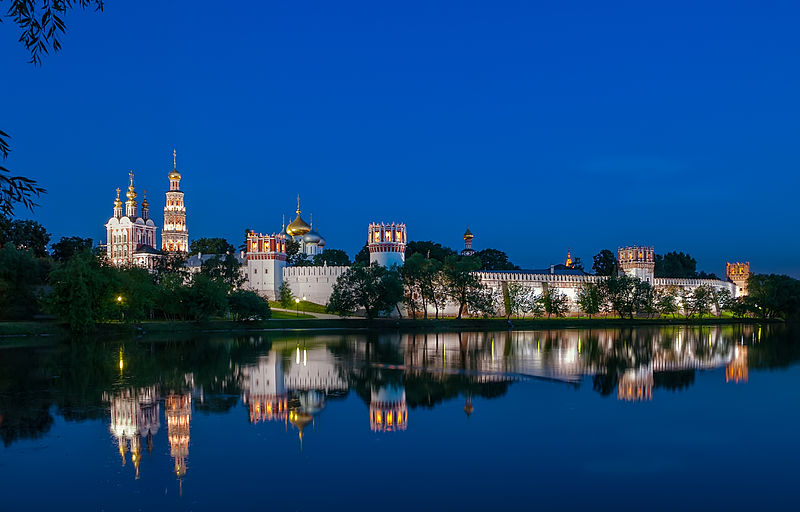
<point x="315" y="315"/>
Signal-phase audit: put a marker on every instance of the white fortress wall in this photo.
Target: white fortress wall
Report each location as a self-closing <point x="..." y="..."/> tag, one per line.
<point x="313" y="283"/>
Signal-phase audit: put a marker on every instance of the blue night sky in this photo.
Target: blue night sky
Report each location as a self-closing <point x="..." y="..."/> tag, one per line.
<point x="540" y="125"/>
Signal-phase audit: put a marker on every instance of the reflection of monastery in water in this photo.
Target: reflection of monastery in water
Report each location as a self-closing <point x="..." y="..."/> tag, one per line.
<point x="135" y="414"/>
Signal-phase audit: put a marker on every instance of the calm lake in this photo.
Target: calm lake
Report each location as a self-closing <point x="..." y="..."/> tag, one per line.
<point x="656" y="418"/>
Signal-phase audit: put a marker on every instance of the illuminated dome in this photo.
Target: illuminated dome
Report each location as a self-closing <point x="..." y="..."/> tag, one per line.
<point x="298" y="227"/>
<point x="468" y="235"/>
<point x="174" y="174"/>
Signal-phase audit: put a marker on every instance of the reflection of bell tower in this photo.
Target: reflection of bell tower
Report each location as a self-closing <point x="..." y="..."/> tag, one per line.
<point x="179" y="414"/>
<point x="636" y="385"/>
<point x="134" y="414"/>
<point x="387" y="409"/>
<point x="737" y="370"/>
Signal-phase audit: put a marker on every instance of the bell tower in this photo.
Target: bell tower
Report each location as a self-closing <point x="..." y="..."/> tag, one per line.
<point x="387" y="244"/>
<point x="175" y="237"/>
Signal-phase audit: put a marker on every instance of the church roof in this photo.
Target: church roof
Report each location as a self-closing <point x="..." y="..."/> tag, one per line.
<point x="559" y="270"/>
<point x="146" y="249"/>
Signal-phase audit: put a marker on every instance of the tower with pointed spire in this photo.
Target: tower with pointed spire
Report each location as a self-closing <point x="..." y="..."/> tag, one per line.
<point x="468" y="236"/>
<point x="175" y="237"/>
<point x="131" y="238"/>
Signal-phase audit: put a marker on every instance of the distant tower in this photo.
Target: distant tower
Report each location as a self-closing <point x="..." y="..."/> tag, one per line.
<point x="568" y="263"/>
<point x="387" y="244"/>
<point x="468" y="236"/>
<point x="175" y="237"/>
<point x="638" y="262"/>
<point x="737" y="273"/>
<point x="266" y="259"/>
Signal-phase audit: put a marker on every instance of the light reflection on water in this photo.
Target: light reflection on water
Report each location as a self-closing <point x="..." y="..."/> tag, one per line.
<point x="153" y="395"/>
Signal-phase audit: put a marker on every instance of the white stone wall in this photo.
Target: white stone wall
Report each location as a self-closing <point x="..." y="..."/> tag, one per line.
<point x="264" y="276"/>
<point x="313" y="283"/>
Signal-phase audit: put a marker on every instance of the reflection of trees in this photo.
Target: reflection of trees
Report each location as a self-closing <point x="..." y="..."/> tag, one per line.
<point x="24" y="396"/>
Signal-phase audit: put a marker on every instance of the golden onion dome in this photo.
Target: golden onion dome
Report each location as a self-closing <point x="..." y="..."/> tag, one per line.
<point x="131" y="195"/>
<point x="298" y="226"/>
<point x="118" y="201"/>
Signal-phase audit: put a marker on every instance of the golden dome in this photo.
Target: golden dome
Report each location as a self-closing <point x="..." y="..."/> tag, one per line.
<point x="468" y="234"/>
<point x="298" y="226"/>
<point x="117" y="201"/>
<point x="174" y="174"/>
<point x="131" y="195"/>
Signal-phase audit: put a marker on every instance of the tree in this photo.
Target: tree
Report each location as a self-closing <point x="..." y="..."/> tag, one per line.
<point x="514" y="298"/>
<point x="620" y="292"/>
<point x="493" y="259"/>
<point x="26" y="235"/>
<point x="362" y="256"/>
<point x="42" y="26"/>
<point x="577" y="263"/>
<point x="211" y="246"/>
<point x="285" y="295"/>
<point x="667" y="302"/>
<point x="675" y="264"/>
<point x="374" y="288"/>
<point x="554" y="302"/>
<point x="67" y="247"/>
<point x="461" y="282"/>
<point x="135" y="287"/>
<point x="412" y="273"/>
<point x="481" y="302"/>
<point x="299" y="259"/>
<point x="224" y="268"/>
<point x="83" y="292"/>
<point x="590" y="299"/>
<point x="722" y="299"/>
<point x="171" y="263"/>
<point x="243" y="246"/>
<point x="605" y="263"/>
<point x="774" y="296"/>
<point x="331" y="257"/>
<point x="248" y="305"/>
<point x="429" y="250"/>
<point x="699" y="301"/>
<point x="21" y="278"/>
<point x="206" y="297"/>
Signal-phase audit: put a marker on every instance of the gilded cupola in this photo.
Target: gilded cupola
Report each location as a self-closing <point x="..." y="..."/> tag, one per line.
<point x="298" y="226"/>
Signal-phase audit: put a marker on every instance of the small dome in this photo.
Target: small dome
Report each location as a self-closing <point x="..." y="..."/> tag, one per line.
<point x="468" y="235"/>
<point x="174" y="174"/>
<point x="298" y="227"/>
<point x="131" y="195"/>
<point x="312" y="237"/>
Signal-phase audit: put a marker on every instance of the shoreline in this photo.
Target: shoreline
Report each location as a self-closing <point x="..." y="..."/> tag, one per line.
<point x="10" y="331"/>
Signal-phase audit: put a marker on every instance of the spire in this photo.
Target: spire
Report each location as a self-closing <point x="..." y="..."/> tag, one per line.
<point x="174" y="159"/>
<point x="298" y="204"/>
<point x="568" y="263"/>
<point x="311" y="218"/>
<point x="283" y="223"/>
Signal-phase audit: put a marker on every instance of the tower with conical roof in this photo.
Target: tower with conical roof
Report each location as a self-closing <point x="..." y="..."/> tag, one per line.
<point x="468" y="236"/>
<point x="175" y="237"/>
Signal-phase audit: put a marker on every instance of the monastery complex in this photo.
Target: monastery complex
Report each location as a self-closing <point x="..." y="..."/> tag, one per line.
<point x="131" y="240"/>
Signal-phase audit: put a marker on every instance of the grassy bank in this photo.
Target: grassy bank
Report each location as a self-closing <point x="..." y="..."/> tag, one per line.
<point x="9" y="330"/>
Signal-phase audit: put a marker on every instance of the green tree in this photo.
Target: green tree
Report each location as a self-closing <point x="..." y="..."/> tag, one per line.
<point x="331" y="257"/>
<point x="285" y="295"/>
<point x="620" y="292"/>
<point x="699" y="301"/>
<point x="515" y="295"/>
<point x="461" y="282"/>
<point x="206" y="297"/>
<point x="299" y="259"/>
<point x="26" y="235"/>
<point x="412" y="273"/>
<point x="362" y="256"/>
<point x="248" y="305"/>
<point x="374" y="288"/>
<point x="171" y="263"/>
<point x="211" y="246"/>
<point x="554" y="302"/>
<point x="675" y="264"/>
<point x="41" y="24"/>
<point x="136" y="292"/>
<point x="774" y="296"/>
<point x="429" y="250"/>
<point x="604" y="263"/>
<point x="224" y="268"/>
<point x="21" y="279"/>
<point x="667" y="302"/>
<point x="493" y="259"/>
<point x="67" y="247"/>
<point x="590" y="299"/>
<point x="83" y="292"/>
<point x="577" y="263"/>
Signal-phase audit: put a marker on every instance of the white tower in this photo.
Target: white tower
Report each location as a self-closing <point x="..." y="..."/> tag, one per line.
<point x="175" y="236"/>
<point x="266" y="259"/>
<point x="387" y="244"/>
<point x="638" y="262"/>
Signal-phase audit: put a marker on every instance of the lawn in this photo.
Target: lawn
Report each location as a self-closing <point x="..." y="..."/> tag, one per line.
<point x="304" y="305"/>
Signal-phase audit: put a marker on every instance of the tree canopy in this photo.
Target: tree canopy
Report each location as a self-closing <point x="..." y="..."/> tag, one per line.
<point x="331" y="257"/>
<point x="604" y="263"/>
<point x="374" y="288"/>
<point x="211" y="246"/>
<point x="429" y="249"/>
<point x="26" y="235"/>
<point x="494" y="259"/>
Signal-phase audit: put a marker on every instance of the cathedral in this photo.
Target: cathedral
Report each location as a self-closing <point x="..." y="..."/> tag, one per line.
<point x="131" y="236"/>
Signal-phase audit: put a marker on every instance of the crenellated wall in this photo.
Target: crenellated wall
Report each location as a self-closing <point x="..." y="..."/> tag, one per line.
<point x="313" y="283"/>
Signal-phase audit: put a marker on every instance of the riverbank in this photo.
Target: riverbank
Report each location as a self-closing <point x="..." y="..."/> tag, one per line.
<point x="11" y="330"/>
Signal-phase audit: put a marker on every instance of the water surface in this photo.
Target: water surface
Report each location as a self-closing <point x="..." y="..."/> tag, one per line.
<point x="624" y="419"/>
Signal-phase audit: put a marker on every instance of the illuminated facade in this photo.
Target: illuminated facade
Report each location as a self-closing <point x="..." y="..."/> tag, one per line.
<point x="387" y="244"/>
<point x="175" y="236"/>
<point x="266" y="260"/>
<point x="738" y="273"/>
<point x="737" y="371"/>
<point x="636" y="385"/>
<point x="134" y="415"/>
<point x="131" y="239"/>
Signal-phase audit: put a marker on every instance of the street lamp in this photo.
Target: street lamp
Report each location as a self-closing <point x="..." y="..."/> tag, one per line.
<point x="119" y="303"/>
<point x="297" y="308"/>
